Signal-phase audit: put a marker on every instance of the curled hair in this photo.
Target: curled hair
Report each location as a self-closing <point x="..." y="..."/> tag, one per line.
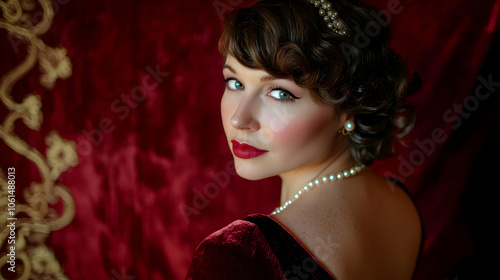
<point x="358" y="74"/>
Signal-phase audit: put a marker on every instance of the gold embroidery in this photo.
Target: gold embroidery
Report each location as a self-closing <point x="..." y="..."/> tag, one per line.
<point x="54" y="64"/>
<point x="36" y="219"/>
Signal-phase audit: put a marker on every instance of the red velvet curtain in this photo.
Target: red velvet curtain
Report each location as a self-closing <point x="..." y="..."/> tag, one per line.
<point x="155" y="175"/>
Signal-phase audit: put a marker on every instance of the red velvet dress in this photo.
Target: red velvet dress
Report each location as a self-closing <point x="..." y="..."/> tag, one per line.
<point x="257" y="247"/>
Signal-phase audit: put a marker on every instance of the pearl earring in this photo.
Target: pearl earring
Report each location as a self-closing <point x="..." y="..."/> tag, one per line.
<point x="348" y="128"/>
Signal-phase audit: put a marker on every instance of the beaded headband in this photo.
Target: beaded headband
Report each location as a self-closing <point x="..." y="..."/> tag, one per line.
<point x="329" y="15"/>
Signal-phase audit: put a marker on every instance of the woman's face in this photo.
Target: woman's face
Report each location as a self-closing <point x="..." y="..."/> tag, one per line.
<point x="277" y="116"/>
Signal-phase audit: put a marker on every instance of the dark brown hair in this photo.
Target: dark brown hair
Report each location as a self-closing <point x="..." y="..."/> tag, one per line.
<point x="364" y="79"/>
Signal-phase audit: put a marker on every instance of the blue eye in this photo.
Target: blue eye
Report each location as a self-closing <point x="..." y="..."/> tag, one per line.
<point x="234" y="84"/>
<point x="283" y="95"/>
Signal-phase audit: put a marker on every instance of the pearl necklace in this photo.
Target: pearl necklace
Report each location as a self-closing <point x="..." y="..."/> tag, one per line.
<point x="312" y="184"/>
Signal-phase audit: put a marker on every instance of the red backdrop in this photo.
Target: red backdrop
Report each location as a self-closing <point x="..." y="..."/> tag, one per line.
<point x="154" y="174"/>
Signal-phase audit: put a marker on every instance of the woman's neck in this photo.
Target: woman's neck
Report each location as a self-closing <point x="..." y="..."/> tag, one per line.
<point x="295" y="180"/>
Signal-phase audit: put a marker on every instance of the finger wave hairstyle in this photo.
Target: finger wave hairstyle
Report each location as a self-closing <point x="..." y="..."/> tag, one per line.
<point x="365" y="79"/>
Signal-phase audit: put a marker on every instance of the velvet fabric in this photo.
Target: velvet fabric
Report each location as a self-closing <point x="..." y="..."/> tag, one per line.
<point x="155" y="173"/>
<point x="237" y="251"/>
<point x="257" y="247"/>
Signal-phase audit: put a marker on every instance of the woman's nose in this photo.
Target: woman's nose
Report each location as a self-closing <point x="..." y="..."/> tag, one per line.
<point x="245" y="115"/>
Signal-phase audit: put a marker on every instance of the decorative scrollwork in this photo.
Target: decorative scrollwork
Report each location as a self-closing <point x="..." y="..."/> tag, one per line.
<point x="35" y="218"/>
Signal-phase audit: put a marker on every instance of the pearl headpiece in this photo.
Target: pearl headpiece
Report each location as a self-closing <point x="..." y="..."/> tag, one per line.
<point x="329" y="15"/>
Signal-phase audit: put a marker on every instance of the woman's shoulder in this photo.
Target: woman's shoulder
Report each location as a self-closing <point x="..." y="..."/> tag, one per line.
<point x="237" y="250"/>
<point x="390" y="228"/>
<point x="365" y="227"/>
<point x="235" y="233"/>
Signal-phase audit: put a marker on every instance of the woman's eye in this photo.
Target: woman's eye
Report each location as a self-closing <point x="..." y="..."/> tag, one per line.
<point x="282" y="95"/>
<point x="234" y="84"/>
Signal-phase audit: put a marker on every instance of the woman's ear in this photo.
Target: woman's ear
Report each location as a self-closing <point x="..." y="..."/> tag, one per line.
<point x="343" y="117"/>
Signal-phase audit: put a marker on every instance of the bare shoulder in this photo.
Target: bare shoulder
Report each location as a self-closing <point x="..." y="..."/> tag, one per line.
<point x="364" y="228"/>
<point x="392" y="232"/>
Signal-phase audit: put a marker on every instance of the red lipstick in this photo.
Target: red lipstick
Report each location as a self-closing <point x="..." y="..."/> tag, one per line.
<point x="246" y="151"/>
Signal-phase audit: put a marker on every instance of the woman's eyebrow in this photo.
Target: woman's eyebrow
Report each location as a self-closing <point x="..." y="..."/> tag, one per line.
<point x="230" y="68"/>
<point x="268" y="78"/>
<point x="262" y="79"/>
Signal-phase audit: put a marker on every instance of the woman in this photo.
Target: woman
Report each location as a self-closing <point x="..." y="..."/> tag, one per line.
<point x="307" y="102"/>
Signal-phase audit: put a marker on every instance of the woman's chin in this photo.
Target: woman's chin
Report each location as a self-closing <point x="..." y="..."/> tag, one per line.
<point x="251" y="173"/>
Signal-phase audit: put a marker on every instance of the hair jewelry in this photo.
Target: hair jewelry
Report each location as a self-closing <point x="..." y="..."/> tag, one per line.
<point x="330" y="16"/>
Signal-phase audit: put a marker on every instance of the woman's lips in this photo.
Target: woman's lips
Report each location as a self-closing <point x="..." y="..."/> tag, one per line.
<point x="246" y="151"/>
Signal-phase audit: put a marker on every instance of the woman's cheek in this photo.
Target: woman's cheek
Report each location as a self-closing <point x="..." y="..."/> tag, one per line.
<point x="226" y="112"/>
<point x="301" y="131"/>
<point x="292" y="133"/>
